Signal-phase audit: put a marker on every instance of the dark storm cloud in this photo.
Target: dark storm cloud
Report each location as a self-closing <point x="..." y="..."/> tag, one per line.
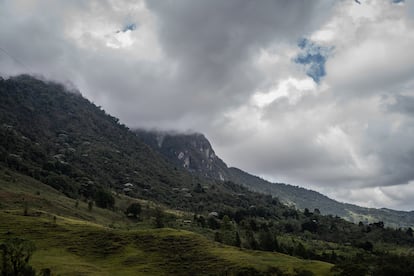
<point x="214" y="42"/>
<point x="208" y="51"/>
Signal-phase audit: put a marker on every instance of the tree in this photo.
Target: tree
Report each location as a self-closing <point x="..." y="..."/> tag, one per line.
<point x="303" y="272"/>
<point x="198" y="188"/>
<point x="251" y="241"/>
<point x="104" y="199"/>
<point x="90" y="205"/>
<point x="300" y="251"/>
<point x="379" y="224"/>
<point x="159" y="218"/>
<point x="409" y="231"/>
<point x="307" y="213"/>
<point x="25" y="208"/>
<point x="217" y="237"/>
<point x="201" y="221"/>
<point x="237" y="241"/>
<point x="213" y="223"/>
<point x="134" y="209"/>
<point x="46" y="272"/>
<point x="253" y="225"/>
<point x="226" y="224"/>
<point x="311" y="226"/>
<point x="267" y="241"/>
<point x="368" y="246"/>
<point x="16" y="254"/>
<point x="239" y="215"/>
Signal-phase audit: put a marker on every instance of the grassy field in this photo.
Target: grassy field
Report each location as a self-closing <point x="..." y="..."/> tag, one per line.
<point x="74" y="247"/>
<point x="72" y="240"/>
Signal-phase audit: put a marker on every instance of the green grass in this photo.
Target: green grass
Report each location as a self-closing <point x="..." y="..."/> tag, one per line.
<point x="72" y="247"/>
<point x="264" y="260"/>
<point x="80" y="242"/>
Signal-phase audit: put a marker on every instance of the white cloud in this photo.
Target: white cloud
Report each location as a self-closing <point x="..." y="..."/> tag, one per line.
<point x="282" y="89"/>
<point x="372" y="49"/>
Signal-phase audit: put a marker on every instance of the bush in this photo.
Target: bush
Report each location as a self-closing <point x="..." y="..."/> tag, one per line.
<point x="159" y="218"/>
<point x="104" y="199"/>
<point x="16" y="254"/>
<point x="133" y="209"/>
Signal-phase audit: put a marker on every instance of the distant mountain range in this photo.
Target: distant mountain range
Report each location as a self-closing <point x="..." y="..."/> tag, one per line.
<point x="194" y="153"/>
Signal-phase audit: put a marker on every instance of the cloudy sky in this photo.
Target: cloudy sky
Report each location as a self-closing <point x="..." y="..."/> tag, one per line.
<point x="314" y="93"/>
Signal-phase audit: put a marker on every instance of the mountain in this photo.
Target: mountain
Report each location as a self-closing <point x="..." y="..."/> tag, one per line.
<point x="61" y="139"/>
<point x="193" y="152"/>
<point x="89" y="193"/>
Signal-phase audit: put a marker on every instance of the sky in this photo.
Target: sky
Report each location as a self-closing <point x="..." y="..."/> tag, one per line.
<point x="318" y="94"/>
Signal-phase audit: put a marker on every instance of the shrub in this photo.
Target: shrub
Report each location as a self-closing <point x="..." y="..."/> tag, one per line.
<point x="16" y="254"/>
<point x="134" y="209"/>
<point x="104" y="199"/>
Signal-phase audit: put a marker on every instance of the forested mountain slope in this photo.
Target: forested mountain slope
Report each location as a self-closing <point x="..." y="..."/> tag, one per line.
<point x="65" y="141"/>
<point x="194" y="153"/>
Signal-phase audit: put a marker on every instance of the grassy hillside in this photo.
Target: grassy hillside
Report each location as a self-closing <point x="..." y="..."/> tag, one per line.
<point x="80" y="242"/>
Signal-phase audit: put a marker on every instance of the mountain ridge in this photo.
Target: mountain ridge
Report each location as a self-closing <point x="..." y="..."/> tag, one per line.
<point x="175" y="145"/>
<point x="67" y="142"/>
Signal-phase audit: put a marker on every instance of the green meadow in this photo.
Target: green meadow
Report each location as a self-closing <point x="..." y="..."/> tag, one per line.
<point x="70" y="239"/>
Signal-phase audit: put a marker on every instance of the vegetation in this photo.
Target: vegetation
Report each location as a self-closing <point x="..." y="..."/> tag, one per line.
<point x="88" y="192"/>
<point x="134" y="209"/>
<point x="15" y="256"/>
<point x="196" y="149"/>
<point x="66" y="142"/>
<point x="104" y="199"/>
<point x="80" y="244"/>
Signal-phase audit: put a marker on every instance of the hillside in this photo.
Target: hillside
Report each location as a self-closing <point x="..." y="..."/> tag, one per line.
<point x="63" y="140"/>
<point x="194" y="153"/>
<point x="87" y="191"/>
<point x="303" y="198"/>
<point x="82" y="242"/>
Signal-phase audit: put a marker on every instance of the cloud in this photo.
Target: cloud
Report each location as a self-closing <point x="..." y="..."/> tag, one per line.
<point x="214" y="45"/>
<point x="378" y="43"/>
<point x="402" y="104"/>
<point x="354" y="132"/>
<point x="333" y="114"/>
